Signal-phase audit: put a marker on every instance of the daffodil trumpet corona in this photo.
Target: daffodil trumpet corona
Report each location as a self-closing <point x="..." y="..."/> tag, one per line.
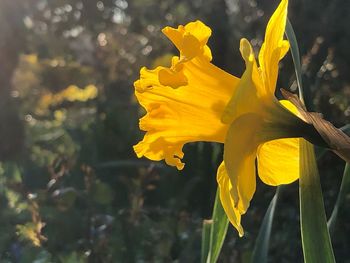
<point x="193" y="100"/>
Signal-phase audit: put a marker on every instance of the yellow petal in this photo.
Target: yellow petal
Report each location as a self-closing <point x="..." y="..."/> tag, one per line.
<point x="291" y="107"/>
<point x="175" y="79"/>
<point x="207" y="53"/>
<point x="226" y="199"/>
<point x="239" y="157"/>
<point x="187" y="114"/>
<point x="191" y="47"/>
<point x="284" y="48"/>
<point x="148" y="78"/>
<point x="274" y="47"/>
<point x="190" y="39"/>
<point x="278" y="161"/>
<point x="199" y="30"/>
<point x="175" y="35"/>
<point x="249" y="91"/>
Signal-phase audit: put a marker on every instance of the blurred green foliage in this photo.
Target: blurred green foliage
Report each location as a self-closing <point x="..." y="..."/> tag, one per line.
<point x="71" y="189"/>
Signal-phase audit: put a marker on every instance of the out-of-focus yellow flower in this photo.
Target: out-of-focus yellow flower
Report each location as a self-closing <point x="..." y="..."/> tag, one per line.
<point x="71" y="93"/>
<point x="193" y="100"/>
<point x="60" y="116"/>
<point x="31" y="58"/>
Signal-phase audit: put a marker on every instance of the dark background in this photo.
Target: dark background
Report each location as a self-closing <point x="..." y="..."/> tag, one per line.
<point x="71" y="188"/>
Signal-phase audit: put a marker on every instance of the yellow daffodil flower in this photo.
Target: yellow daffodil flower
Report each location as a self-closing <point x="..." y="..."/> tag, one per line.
<point x="194" y="100"/>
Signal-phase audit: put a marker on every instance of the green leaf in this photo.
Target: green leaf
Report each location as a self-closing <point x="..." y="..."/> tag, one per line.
<point x="315" y="238"/>
<point x="316" y="241"/>
<point x="218" y="230"/>
<point x="262" y="242"/>
<point x="294" y="49"/>
<point x="344" y="189"/>
<point x="205" y="240"/>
